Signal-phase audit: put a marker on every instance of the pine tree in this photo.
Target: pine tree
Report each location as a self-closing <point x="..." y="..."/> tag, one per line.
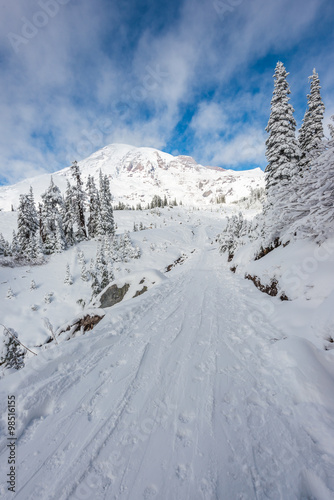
<point x="14" y="245"/>
<point x="60" y="242"/>
<point x="51" y="211"/>
<point x="282" y="149"/>
<point x="311" y="133"/>
<point x="230" y="238"/>
<point x="68" y="277"/>
<point x="110" y="269"/>
<point x="27" y="222"/>
<point x="35" y="249"/>
<point x="282" y="154"/>
<point x="81" y="256"/>
<point x="315" y="206"/>
<point x="4" y="246"/>
<point x="33" y="285"/>
<point x="123" y="250"/>
<point x="102" y="272"/>
<point x="95" y="285"/>
<point x="78" y="202"/>
<point x="94" y="207"/>
<point x="10" y="294"/>
<point x="11" y="354"/>
<point x="105" y="226"/>
<point x="68" y="215"/>
<point x="84" y="274"/>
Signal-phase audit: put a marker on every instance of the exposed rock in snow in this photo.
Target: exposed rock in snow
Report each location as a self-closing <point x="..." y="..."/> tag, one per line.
<point x="137" y="174"/>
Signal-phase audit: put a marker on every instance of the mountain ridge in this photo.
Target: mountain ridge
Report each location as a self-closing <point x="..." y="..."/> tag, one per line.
<point x="137" y="174"/>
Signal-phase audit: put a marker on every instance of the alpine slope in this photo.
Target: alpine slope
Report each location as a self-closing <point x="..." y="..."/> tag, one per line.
<point x="192" y="390"/>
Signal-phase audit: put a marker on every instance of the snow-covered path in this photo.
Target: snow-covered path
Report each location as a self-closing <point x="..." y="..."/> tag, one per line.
<point x="179" y="394"/>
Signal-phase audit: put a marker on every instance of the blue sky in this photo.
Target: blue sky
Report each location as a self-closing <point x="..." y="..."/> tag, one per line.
<point x="187" y="76"/>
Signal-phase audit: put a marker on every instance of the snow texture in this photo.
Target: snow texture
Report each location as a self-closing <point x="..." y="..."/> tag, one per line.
<point x="200" y="388"/>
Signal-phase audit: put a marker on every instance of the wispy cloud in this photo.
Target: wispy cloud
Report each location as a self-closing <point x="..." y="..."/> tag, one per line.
<point x="140" y="72"/>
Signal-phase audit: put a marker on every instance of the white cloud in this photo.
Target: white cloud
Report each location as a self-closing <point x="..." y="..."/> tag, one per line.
<point x="246" y="148"/>
<point x="67" y="79"/>
<point x="210" y="118"/>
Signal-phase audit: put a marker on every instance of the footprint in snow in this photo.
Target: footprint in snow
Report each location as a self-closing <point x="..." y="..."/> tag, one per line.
<point x="150" y="492"/>
<point x="183" y="471"/>
<point x="121" y="362"/>
<point x="185" y="418"/>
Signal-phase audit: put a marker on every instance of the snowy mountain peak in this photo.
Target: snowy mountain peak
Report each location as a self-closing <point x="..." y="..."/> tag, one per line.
<point x="137" y="174"/>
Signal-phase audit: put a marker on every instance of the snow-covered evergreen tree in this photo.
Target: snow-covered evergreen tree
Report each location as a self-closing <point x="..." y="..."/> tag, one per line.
<point x="105" y="226"/>
<point x="68" y="216"/>
<point x="78" y="202"/>
<point x="27" y="222"/>
<point x="94" y="207"/>
<point x="68" y="277"/>
<point x="95" y="284"/>
<point x="15" y="245"/>
<point x="110" y="270"/>
<point x="316" y="199"/>
<point x="102" y="272"/>
<point x="2" y="244"/>
<point x="5" y="248"/>
<point x="33" y="285"/>
<point x="282" y="149"/>
<point x="35" y="249"/>
<point x="282" y="154"/>
<point x="84" y="273"/>
<point x="311" y="133"/>
<point x="11" y="352"/>
<point x="51" y="211"/>
<point x="230" y="238"/>
<point x="81" y="256"/>
<point x="60" y="241"/>
<point x="101" y="265"/>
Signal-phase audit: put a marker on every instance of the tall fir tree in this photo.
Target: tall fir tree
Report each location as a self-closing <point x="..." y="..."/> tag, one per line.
<point x="78" y="202"/>
<point x="51" y="220"/>
<point x="68" y="216"/>
<point x="5" y="248"/>
<point x="311" y="133"/>
<point x="282" y="149"/>
<point x="106" y="225"/>
<point x="315" y="205"/>
<point x="94" y="207"/>
<point x="282" y="154"/>
<point x="68" y="280"/>
<point x="27" y="222"/>
<point x="11" y="352"/>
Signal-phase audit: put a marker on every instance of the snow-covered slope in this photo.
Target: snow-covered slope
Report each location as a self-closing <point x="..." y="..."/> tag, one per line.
<point x="196" y="390"/>
<point x="137" y="174"/>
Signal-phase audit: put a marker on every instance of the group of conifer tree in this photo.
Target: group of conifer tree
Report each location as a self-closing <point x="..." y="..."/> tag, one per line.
<point x="299" y="177"/>
<point x="59" y="221"/>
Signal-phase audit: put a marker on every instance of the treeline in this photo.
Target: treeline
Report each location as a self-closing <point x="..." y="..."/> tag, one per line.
<point x="157" y="202"/>
<point x="59" y="220"/>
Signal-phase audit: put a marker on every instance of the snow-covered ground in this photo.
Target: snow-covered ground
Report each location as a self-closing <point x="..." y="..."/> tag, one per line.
<point x="201" y="388"/>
